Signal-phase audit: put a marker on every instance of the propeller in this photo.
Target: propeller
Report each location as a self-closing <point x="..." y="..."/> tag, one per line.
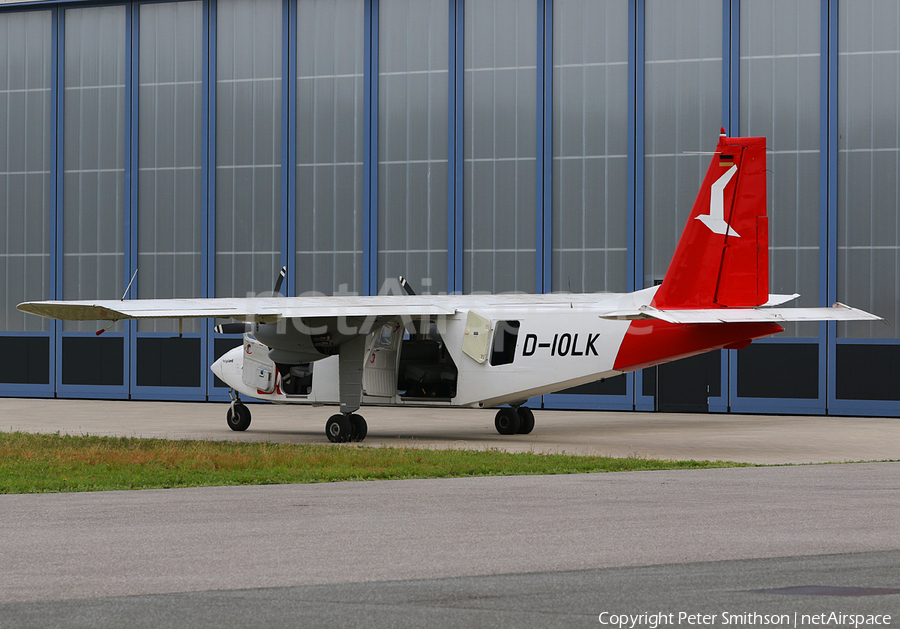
<point x="241" y="328"/>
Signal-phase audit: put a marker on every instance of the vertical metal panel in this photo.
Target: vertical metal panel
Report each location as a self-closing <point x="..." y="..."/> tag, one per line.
<point x="289" y="150"/>
<point x="683" y="113"/>
<point x="288" y="86"/>
<point x="167" y="176"/>
<point x="248" y="146"/>
<point x="209" y="154"/>
<point x="168" y="156"/>
<point x="863" y="182"/>
<point x="27" y="196"/>
<point x="94" y="205"/>
<point x="452" y="33"/>
<point x="500" y="151"/>
<point x="779" y="91"/>
<point x="413" y="168"/>
<point x="95" y="153"/>
<point x="331" y="146"/>
<point x="26" y="109"/>
<point x="370" y="162"/>
<point x="590" y="143"/>
<point x="636" y="76"/>
<point x="780" y="98"/>
<point x="680" y="109"/>
<point x="636" y="155"/>
<point x="828" y="182"/>
<point x="208" y="187"/>
<point x="731" y="47"/>
<point x="544" y="143"/>
<point x="456" y="149"/>
<point x="868" y="165"/>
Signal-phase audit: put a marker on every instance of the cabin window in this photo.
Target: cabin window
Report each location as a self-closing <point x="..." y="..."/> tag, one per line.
<point x="506" y="335"/>
<point x="384" y="339"/>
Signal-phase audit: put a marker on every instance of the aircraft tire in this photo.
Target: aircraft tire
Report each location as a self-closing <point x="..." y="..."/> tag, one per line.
<point x="526" y="417"/>
<point x="338" y="429"/>
<point x="507" y="421"/>
<point x="239" y="420"/>
<point x="358" y="427"/>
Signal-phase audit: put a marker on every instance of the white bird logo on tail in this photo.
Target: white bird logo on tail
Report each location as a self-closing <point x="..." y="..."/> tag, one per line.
<point x="715" y="220"/>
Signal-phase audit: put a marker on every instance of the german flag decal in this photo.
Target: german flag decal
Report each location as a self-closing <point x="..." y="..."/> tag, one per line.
<point x="726" y="161"/>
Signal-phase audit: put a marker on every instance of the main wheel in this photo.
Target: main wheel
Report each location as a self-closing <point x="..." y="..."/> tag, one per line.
<point x="338" y="429"/>
<point x="240" y="418"/>
<point x="526" y="417"/>
<point x="507" y="421"/>
<point x="358" y="428"/>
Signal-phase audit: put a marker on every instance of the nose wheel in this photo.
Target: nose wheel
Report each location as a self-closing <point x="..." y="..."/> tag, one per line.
<point x="238" y="416"/>
<point x="514" y="420"/>
<point x="342" y="428"/>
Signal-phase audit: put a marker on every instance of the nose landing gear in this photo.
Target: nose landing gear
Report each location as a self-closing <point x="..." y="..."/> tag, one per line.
<point x="238" y="416"/>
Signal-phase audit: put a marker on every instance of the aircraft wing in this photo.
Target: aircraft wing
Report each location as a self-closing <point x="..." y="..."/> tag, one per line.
<point x="838" y="312"/>
<point x="251" y="309"/>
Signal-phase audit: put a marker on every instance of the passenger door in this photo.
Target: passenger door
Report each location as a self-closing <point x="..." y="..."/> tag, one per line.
<point x="382" y="358"/>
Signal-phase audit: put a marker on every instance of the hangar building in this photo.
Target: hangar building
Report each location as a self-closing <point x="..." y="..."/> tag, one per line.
<point x="469" y="145"/>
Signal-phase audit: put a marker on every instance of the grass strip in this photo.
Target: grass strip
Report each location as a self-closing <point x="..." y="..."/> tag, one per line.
<point x="36" y="463"/>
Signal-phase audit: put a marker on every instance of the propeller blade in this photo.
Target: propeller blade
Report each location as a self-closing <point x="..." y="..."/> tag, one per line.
<point x="233" y="328"/>
<point x="406" y="286"/>
<point x="280" y="280"/>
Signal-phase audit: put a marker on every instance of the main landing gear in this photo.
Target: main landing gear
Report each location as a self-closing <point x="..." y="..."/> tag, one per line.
<point x="345" y="427"/>
<point x="514" y="420"/>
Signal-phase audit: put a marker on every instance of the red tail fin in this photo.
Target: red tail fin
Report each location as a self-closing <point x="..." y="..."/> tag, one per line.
<point x="722" y="259"/>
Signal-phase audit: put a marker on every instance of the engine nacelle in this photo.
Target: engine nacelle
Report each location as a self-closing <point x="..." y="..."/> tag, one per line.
<point x="293" y="341"/>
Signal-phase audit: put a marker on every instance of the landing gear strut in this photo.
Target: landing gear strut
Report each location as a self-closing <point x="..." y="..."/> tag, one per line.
<point x="514" y="420"/>
<point x="347" y="425"/>
<point x="238" y="416"/>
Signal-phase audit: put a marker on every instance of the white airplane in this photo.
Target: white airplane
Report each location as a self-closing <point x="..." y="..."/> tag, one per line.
<point x="490" y="350"/>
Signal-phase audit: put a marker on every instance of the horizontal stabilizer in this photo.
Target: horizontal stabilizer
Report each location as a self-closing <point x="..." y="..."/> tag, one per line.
<point x="838" y="312"/>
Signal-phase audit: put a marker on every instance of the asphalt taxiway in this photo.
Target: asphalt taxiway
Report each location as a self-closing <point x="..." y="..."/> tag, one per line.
<point x="541" y="551"/>
<point x="747" y="438"/>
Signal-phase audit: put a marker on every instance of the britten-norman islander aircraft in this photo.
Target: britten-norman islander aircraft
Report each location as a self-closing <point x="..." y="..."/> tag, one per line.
<point x="492" y="350"/>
